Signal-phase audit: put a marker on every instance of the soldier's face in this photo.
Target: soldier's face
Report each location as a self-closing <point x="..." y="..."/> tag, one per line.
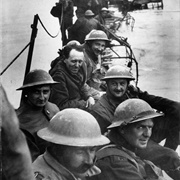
<point x="78" y="160"/>
<point x="138" y="134"/>
<point x="75" y="61"/>
<point x="117" y="87"/>
<point x="98" y="47"/>
<point x="38" y="96"/>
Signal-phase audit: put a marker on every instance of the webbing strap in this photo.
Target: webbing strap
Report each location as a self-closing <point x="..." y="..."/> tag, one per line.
<point x="112" y="150"/>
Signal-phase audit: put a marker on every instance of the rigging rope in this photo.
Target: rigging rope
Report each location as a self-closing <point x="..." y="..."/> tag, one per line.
<point x="46" y="29"/>
<point x="15" y="59"/>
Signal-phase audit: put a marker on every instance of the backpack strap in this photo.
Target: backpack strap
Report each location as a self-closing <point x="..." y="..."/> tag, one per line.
<point x="113" y="150"/>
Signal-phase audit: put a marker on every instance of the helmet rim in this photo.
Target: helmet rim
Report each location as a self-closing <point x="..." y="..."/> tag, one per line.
<point x="37" y="84"/>
<point x="73" y="127"/>
<point x="149" y="115"/>
<point x="50" y="136"/>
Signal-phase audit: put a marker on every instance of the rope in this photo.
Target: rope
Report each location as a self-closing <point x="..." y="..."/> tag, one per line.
<point x="46" y="29"/>
<point x="14" y="59"/>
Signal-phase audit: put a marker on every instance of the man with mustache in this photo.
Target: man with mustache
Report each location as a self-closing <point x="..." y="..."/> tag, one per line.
<point x="74" y="137"/>
<point x="118" y="90"/>
<point x="35" y="110"/>
<point x="71" y="73"/>
<point x="130" y="130"/>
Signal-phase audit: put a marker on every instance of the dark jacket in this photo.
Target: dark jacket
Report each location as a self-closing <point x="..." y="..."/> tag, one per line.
<point x="33" y="119"/>
<point x="81" y="28"/>
<point x="119" y="161"/>
<point x="71" y="92"/>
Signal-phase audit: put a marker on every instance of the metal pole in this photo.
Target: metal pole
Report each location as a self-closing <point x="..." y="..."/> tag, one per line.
<point x="31" y="47"/>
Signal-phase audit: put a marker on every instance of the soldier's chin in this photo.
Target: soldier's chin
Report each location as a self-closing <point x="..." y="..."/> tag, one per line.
<point x="41" y="104"/>
<point x="143" y="146"/>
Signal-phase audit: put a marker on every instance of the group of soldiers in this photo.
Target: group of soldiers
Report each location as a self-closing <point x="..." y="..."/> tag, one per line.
<point x="83" y="120"/>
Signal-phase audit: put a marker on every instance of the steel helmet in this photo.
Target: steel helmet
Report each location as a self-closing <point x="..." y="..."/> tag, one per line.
<point x="131" y="111"/>
<point x="118" y="71"/>
<point x="97" y="35"/>
<point x="37" y="77"/>
<point x="104" y="9"/>
<point x="73" y="127"/>
<point x="89" y="13"/>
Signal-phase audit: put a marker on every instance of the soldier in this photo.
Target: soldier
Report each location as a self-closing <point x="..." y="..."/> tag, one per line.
<point x="95" y="43"/>
<point x="118" y="90"/>
<point x="83" y="26"/>
<point x="101" y="17"/>
<point x="74" y="135"/>
<point x="35" y="110"/>
<point x="130" y="130"/>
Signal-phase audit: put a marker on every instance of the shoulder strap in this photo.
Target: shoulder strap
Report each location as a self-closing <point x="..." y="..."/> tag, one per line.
<point x="113" y="150"/>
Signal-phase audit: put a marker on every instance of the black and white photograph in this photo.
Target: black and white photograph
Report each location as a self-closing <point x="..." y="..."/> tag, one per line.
<point x="90" y="90"/>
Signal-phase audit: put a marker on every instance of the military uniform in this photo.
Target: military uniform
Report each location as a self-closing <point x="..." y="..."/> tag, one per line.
<point x="120" y="162"/>
<point x="166" y="127"/>
<point x="31" y="120"/>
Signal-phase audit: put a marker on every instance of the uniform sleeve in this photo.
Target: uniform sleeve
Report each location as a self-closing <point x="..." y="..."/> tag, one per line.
<point x="102" y="116"/>
<point x="117" y="168"/>
<point x="60" y="94"/>
<point x="167" y="106"/>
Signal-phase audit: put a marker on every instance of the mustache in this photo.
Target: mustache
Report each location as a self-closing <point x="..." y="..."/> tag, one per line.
<point x="117" y="90"/>
<point x="98" y="51"/>
<point x="89" y="165"/>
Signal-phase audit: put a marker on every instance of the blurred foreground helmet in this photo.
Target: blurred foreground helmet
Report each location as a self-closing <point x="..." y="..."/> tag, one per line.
<point x="97" y="35"/>
<point x="37" y="77"/>
<point x="118" y="71"/>
<point x="89" y="13"/>
<point x="73" y="127"/>
<point x="131" y="111"/>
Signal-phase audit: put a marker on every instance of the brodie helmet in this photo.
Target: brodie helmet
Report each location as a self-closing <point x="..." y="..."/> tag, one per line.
<point x="89" y="13"/>
<point x="118" y="71"/>
<point x="97" y="35"/>
<point x="37" y="77"/>
<point x="73" y="127"/>
<point x="131" y="111"/>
